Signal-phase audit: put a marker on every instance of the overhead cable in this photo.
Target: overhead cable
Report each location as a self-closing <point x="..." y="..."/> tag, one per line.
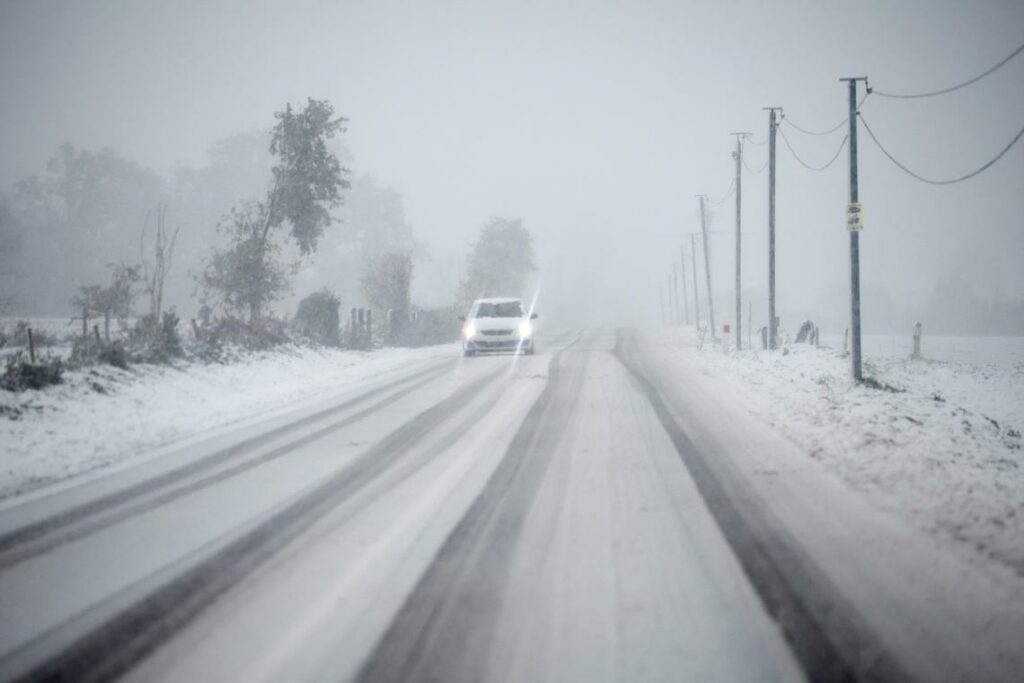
<point x="833" y="129"/>
<point x="763" y="166"/>
<point x="728" y="193"/>
<point x="804" y="163"/>
<point x="933" y="93"/>
<point x="942" y="182"/>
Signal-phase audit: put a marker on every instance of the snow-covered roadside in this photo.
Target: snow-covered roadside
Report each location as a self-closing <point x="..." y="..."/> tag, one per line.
<point x="939" y="443"/>
<point x="103" y="416"/>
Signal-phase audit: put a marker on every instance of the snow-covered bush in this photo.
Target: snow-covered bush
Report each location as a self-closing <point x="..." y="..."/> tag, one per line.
<point x="223" y="334"/>
<point x="317" y="318"/>
<point x="20" y="373"/>
<point x="156" y="343"/>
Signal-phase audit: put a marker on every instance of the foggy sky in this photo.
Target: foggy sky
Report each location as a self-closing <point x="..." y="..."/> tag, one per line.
<point x="596" y="123"/>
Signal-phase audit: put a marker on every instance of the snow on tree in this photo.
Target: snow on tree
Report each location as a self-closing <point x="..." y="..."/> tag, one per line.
<point x="499" y="261"/>
<point x="249" y="274"/>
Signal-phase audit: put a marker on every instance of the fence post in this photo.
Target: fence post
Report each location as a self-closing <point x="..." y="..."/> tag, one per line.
<point x="96" y="329"/>
<point x="369" y="328"/>
<point x="917" y="340"/>
<point x="195" y="329"/>
<point x="31" y="345"/>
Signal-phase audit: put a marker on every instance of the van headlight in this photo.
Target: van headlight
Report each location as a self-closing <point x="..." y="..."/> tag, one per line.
<point x="469" y="331"/>
<point x="525" y="329"/>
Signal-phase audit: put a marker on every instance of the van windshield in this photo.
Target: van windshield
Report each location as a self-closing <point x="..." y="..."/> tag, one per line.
<point x="505" y="309"/>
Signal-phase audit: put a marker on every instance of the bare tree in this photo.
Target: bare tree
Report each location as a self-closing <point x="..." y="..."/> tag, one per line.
<point x="154" y="276"/>
<point x="111" y="302"/>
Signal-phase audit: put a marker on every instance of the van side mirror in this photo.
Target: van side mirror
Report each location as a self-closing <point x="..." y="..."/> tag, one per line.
<point x="533" y="316"/>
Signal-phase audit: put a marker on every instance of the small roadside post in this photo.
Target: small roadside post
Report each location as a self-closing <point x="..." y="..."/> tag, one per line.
<point x="32" y="345"/>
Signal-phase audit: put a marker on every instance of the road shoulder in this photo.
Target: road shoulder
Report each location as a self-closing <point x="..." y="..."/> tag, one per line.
<point x="904" y="604"/>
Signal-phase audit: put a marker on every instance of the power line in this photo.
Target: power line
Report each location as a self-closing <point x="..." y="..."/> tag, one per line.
<point x="833" y="129"/>
<point x="955" y="87"/>
<point x="728" y="193"/>
<point x="764" y="166"/>
<point x="759" y="144"/>
<point x="804" y="163"/>
<point x="942" y="182"/>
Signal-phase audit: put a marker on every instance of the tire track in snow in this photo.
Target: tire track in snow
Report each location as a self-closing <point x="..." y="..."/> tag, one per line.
<point x="99" y="513"/>
<point x="443" y="630"/>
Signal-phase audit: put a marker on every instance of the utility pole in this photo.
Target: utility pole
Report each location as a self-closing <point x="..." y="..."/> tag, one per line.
<point x="707" y="266"/>
<point x="738" y="156"/>
<point x="772" y="326"/>
<point x="693" y="263"/>
<point x="674" y="296"/>
<point x="854" y="223"/>
<point x="682" y="276"/>
<point x="669" y="303"/>
<point x="661" y="299"/>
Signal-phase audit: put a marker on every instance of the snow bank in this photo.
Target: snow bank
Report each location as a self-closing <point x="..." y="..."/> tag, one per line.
<point x="940" y="442"/>
<point x="102" y="416"/>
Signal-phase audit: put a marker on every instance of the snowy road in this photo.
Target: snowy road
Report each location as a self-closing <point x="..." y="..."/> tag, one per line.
<point x="557" y="517"/>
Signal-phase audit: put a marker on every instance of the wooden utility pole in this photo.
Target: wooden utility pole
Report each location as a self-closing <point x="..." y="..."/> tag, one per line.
<point x="675" y="293"/>
<point x="854" y="223"/>
<point x="738" y="156"/>
<point x="693" y="263"/>
<point x="661" y="299"/>
<point x="772" y="325"/>
<point x="672" y="306"/>
<point x="682" y="276"/>
<point x="707" y="265"/>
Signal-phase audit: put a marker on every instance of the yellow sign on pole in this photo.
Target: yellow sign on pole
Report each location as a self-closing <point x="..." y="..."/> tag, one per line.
<point x="854" y="217"/>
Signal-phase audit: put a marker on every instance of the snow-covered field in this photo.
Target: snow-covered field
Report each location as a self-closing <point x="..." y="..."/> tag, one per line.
<point x="940" y="443"/>
<point x="970" y="350"/>
<point x="102" y="416"/>
<point x="59" y="328"/>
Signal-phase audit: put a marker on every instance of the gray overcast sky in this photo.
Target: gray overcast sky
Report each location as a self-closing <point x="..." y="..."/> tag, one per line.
<point x="596" y="122"/>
